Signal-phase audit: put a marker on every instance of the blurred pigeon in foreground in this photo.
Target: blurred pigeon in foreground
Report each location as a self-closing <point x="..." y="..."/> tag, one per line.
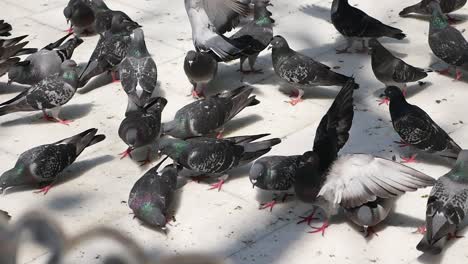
<point x="300" y="70"/>
<point x="10" y="49"/>
<point x="201" y="69"/>
<point x="5" y="29"/>
<point x="152" y="195"/>
<point x="210" y="19"/>
<point x="366" y="187"/>
<point x="256" y="35"/>
<point x="216" y="156"/>
<point x="209" y="115"/>
<point x="423" y="8"/>
<point x="447" y="207"/>
<point x="446" y="42"/>
<point x="43" y="63"/>
<point x="392" y="71"/>
<point x="110" y="50"/>
<point x="42" y="164"/>
<point x="143" y="126"/>
<point x="50" y="93"/>
<point x="354" y="24"/>
<point x="138" y="71"/>
<point x="416" y="128"/>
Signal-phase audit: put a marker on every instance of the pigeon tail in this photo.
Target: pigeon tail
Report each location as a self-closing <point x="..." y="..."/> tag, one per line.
<point x="57" y="43"/>
<point x="66" y="50"/>
<point x="255" y="150"/>
<point x="7" y="109"/>
<point x="84" y="139"/>
<point x="240" y="100"/>
<point x="452" y="151"/>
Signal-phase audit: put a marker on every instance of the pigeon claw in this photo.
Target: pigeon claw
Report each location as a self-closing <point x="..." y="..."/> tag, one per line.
<point x="44" y="190"/>
<point x="421" y="230"/>
<point x="458" y="75"/>
<point x="64" y="122"/>
<point x="308" y="219"/>
<point x="69" y="30"/>
<point x="197" y="95"/>
<point x="411" y="159"/>
<point x="126" y="153"/>
<point x="217" y="185"/>
<point x="321" y="229"/>
<point x="268" y="205"/>
<point x="384" y="100"/>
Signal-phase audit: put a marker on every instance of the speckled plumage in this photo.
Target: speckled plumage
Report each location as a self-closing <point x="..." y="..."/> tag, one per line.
<point x="201" y="68"/>
<point x="447" y="6"/>
<point x="275" y="173"/>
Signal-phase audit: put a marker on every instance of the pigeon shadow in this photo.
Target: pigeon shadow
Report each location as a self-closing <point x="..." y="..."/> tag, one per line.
<point x="318" y="92"/>
<point x="70" y="112"/>
<point x="316" y="11"/>
<point x="98" y="81"/>
<point x="6" y="88"/>
<point x="240" y="123"/>
<point x="67" y="201"/>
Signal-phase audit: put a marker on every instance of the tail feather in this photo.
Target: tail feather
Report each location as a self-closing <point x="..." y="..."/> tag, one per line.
<point x="255" y="150"/>
<point x="26" y="51"/>
<point x="7" y="109"/>
<point x="57" y="43"/>
<point x="241" y="100"/>
<point x="83" y="140"/>
<point x="245" y="139"/>
<point x="12" y="41"/>
<point x="69" y="47"/>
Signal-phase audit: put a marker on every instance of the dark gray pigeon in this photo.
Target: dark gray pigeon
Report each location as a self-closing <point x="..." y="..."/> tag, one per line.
<point x="215" y="156"/>
<point x="210" y="19"/>
<point x="43" y="63"/>
<point x="392" y="71"/>
<point x="354" y="24"/>
<point x="110" y="50"/>
<point x="143" y="126"/>
<point x="447" y="207"/>
<point x="152" y="195"/>
<point x="43" y="164"/>
<point x="50" y="93"/>
<point x="255" y="35"/>
<point x="201" y="69"/>
<point x="138" y="72"/>
<point x="423" y="8"/>
<point x="10" y="49"/>
<point x="209" y="115"/>
<point x="365" y="187"/>
<point x="417" y="129"/>
<point x="300" y="70"/>
<point x="446" y="42"/>
<point x="5" y="29"/>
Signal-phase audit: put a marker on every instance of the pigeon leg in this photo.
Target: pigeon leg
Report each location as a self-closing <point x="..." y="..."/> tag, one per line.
<point x="220" y="133"/>
<point x="451" y="236"/>
<point x="421" y="230"/>
<point x="220" y="183"/>
<point x="404" y="90"/>
<point x="46" y="189"/>
<point x="368" y="231"/>
<point x="285" y="196"/>
<point x="252" y="60"/>
<point x="458" y="75"/>
<point x="197" y="92"/>
<point x="411" y="159"/>
<point x="270" y="205"/>
<point x="321" y="229"/>
<point x="147" y="160"/>
<point x="69" y="30"/>
<point x="309" y="218"/>
<point x="199" y="178"/>
<point x="349" y="43"/>
<point x="114" y="77"/>
<point x="364" y="48"/>
<point x="296" y="95"/>
<point x="45" y="116"/>
<point x="384" y="100"/>
<point x="55" y="115"/>
<point x="402" y="144"/>
<point x="127" y="152"/>
<point x="241" y="65"/>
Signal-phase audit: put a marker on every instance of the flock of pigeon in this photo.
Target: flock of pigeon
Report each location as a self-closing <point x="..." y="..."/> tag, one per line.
<point x="361" y="185"/>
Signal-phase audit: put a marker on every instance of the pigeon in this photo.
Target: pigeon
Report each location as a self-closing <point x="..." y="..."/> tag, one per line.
<point x="152" y="195"/>
<point x="43" y="164"/>
<point x="392" y="71"/>
<point x="142" y="127"/>
<point x="354" y="24"/>
<point x="138" y="72"/>
<point x="210" y="19"/>
<point x="110" y="50"/>
<point x="5" y="28"/>
<point x="446" y="42"/>
<point x="416" y="128"/>
<point x="209" y="115"/>
<point x="331" y="135"/>
<point x="201" y="69"/>
<point x="215" y="156"/>
<point x="50" y="93"/>
<point x="447" y="207"/>
<point x="365" y="187"/>
<point x="43" y="63"/>
<point x="422" y="8"/>
<point x="298" y="69"/>
<point x="255" y="35"/>
<point x="10" y="49"/>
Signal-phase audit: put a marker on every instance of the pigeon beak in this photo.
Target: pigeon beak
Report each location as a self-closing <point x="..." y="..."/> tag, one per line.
<point x="190" y="63"/>
<point x="68" y="21"/>
<point x="9" y="81"/>
<point x="270" y="4"/>
<point x="269" y="47"/>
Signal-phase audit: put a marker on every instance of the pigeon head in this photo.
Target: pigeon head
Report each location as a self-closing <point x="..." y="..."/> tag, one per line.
<point x="137" y="47"/>
<point x="79" y="13"/>
<point x="278" y="42"/>
<point x="150" y="214"/>
<point x="13" y="177"/>
<point x="68" y="12"/>
<point x="394" y="93"/>
<point x="191" y="57"/>
<point x="122" y="24"/>
<point x="257" y="175"/>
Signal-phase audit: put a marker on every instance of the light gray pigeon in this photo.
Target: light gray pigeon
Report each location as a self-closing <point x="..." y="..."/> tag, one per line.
<point x="354" y="24"/>
<point x="43" y="63"/>
<point x="201" y="69"/>
<point x="10" y="49"/>
<point x="447" y="207"/>
<point x="143" y="126"/>
<point x="50" y="93"/>
<point x="422" y="8"/>
<point x="392" y="71"/>
<point x="110" y="50"/>
<point x="212" y="18"/>
<point x="138" y="72"/>
<point x="366" y="187"/>
<point x="300" y="70"/>
<point x="446" y="42"/>
<point x="215" y="156"/>
<point x="255" y="35"/>
<point x="209" y="115"/>
<point x="153" y="194"/>
<point x="43" y="164"/>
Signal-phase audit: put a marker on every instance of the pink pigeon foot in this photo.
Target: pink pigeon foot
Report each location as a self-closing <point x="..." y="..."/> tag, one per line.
<point x="114" y="77"/>
<point x="126" y="153"/>
<point x="64" y="122"/>
<point x="321" y="229"/>
<point x="421" y="230"/>
<point x="69" y="30"/>
<point x="197" y="95"/>
<point x="308" y="219"/>
<point x="444" y="71"/>
<point x="384" y="100"/>
<point x="411" y="159"/>
<point x="268" y="205"/>
<point x="296" y="97"/>
<point x="217" y="185"/>
<point x="44" y="190"/>
<point x="458" y="75"/>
